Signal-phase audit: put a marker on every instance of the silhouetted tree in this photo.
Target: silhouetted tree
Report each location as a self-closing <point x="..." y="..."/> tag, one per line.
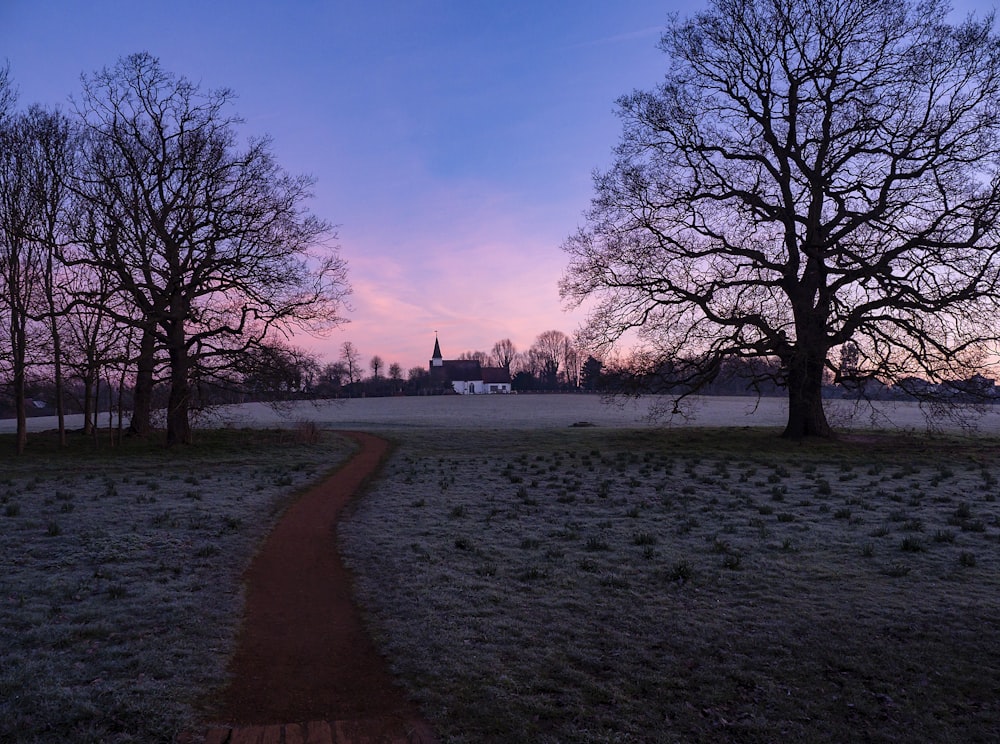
<point x="209" y="239"/>
<point x="351" y="359"/>
<point x="590" y="373"/>
<point x="808" y="173"/>
<point x="504" y="353"/>
<point x="477" y="356"/>
<point x="546" y="355"/>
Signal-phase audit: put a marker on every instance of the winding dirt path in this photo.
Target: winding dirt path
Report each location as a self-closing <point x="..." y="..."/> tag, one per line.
<point x="304" y="669"/>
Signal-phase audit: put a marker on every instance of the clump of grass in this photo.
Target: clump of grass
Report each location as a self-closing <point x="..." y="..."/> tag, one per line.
<point x="307" y="432"/>
<point x="896" y="570"/>
<point x="966" y="559"/>
<point x="644" y="538"/>
<point x="681" y="572"/>
<point x="486" y="569"/>
<point x="595" y="544"/>
<point x="732" y="561"/>
<point x="911" y="545"/>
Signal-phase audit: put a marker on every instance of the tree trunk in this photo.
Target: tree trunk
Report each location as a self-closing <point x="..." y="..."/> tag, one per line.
<point x="59" y="392"/>
<point x="20" y="406"/>
<point x="88" y="404"/>
<point x="19" y="378"/>
<point x="179" y="401"/>
<point x="142" y="402"/>
<point x="806" y="415"/>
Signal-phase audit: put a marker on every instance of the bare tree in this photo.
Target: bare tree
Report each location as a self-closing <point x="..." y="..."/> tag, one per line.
<point x="546" y="355"/>
<point x="375" y="364"/>
<point x="209" y="239"/>
<point x="351" y="359"/>
<point x="92" y="340"/>
<point x="504" y="353"/>
<point x="50" y="141"/>
<point x="809" y="173"/>
<point x="8" y="93"/>
<point x="571" y="362"/>
<point x="476" y="356"/>
<point x="21" y="258"/>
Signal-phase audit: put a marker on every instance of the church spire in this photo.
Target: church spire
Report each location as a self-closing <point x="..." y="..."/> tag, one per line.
<point x="436" y="359"/>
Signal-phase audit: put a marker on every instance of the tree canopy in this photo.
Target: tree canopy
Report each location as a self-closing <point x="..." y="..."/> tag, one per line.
<point x="808" y="174"/>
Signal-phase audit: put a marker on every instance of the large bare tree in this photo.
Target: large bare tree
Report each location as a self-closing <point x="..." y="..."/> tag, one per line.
<point x="504" y="353"/>
<point x="22" y="252"/>
<point x="208" y="236"/>
<point x="810" y="173"/>
<point x="547" y="355"/>
<point x="38" y="154"/>
<point x="51" y="148"/>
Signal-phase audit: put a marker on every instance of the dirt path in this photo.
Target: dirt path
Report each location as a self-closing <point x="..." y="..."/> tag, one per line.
<point x="302" y="654"/>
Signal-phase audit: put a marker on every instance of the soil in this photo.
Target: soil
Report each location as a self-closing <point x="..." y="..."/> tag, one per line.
<point x="303" y="653"/>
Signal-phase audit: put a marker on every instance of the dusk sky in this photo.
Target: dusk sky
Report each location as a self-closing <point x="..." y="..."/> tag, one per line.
<point x="452" y="141"/>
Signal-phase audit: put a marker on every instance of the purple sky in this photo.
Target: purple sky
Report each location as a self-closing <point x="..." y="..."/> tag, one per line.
<point x="452" y="141"/>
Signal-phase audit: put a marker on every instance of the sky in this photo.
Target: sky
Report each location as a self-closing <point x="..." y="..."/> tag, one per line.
<point x="453" y="142"/>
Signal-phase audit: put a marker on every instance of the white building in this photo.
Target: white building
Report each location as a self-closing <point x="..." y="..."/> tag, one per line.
<point x="467" y="376"/>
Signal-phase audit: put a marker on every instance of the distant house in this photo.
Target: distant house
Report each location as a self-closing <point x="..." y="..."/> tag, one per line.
<point x="467" y="376"/>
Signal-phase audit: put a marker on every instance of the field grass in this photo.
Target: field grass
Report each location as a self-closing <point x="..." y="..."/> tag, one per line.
<point x="693" y="585"/>
<point x="120" y="588"/>
<point x="588" y="584"/>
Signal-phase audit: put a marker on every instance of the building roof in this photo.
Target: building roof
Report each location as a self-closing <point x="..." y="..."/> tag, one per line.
<point x="496" y="375"/>
<point x="462" y="370"/>
<point x="437" y="349"/>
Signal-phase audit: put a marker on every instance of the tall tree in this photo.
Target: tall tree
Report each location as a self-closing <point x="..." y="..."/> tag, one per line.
<point x="208" y="237"/>
<point x="21" y="258"/>
<point x="546" y="356"/>
<point x="809" y="173"/>
<point x="375" y="364"/>
<point x="504" y="353"/>
<point x="51" y="141"/>
<point x="351" y="359"/>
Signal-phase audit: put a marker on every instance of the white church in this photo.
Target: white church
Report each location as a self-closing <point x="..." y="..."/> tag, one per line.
<point x="467" y="376"/>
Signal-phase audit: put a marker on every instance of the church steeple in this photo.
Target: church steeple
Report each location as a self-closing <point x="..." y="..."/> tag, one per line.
<point x="436" y="359"/>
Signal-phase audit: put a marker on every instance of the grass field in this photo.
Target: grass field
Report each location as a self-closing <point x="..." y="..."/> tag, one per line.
<point x="120" y="589"/>
<point x="586" y="585"/>
<point x="530" y="581"/>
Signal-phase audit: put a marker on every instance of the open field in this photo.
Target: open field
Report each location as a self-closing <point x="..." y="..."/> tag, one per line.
<point x="588" y="585"/>
<point x="556" y="411"/>
<point x="120" y="590"/>
<point x="530" y="580"/>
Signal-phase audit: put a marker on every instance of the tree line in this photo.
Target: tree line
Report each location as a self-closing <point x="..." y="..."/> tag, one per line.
<point x="552" y="362"/>
<point x="144" y="245"/>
